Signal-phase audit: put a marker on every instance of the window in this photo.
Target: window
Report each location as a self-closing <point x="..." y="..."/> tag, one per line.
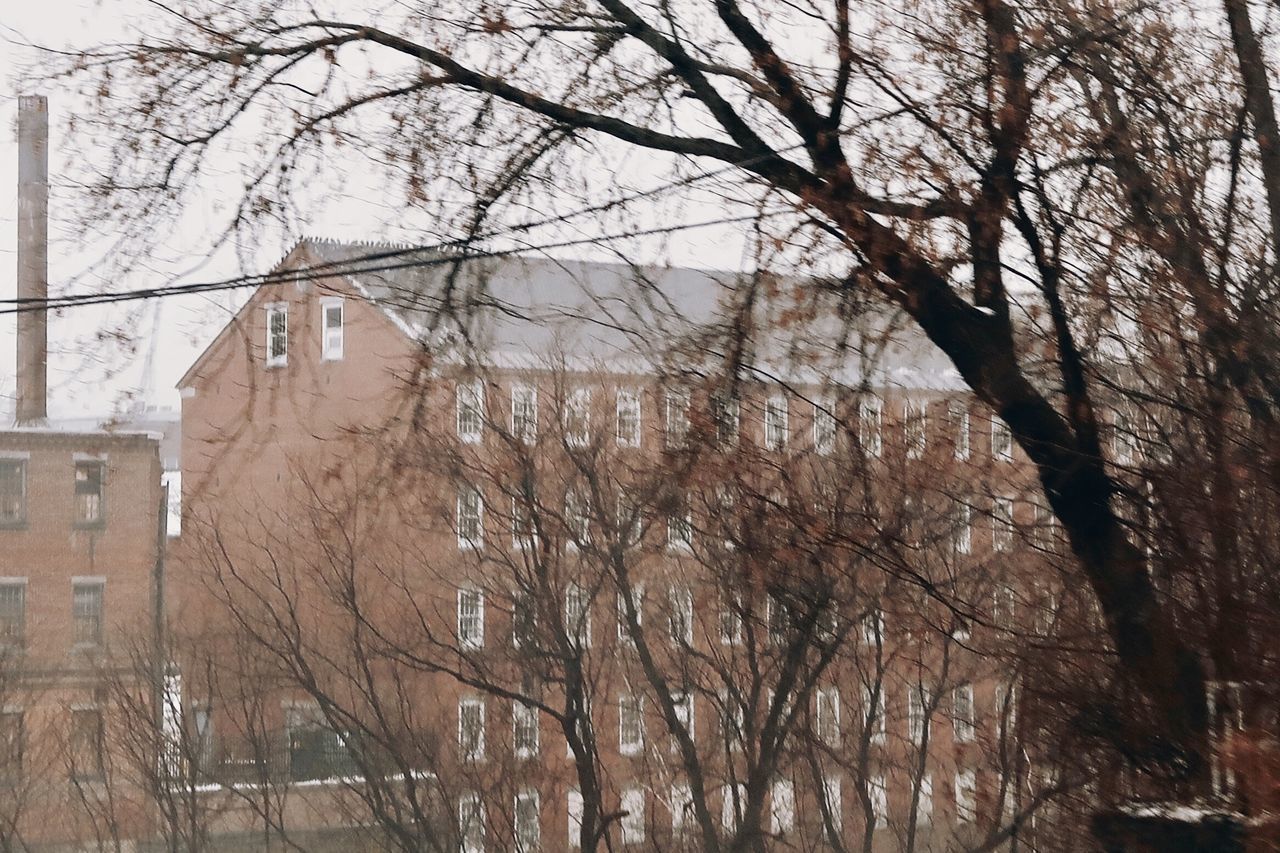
<point x="924" y="805"/>
<point x="86" y="613"/>
<point x="574" y="807"/>
<point x="13" y="491"/>
<point x="733" y="800"/>
<point x="960" y="422"/>
<point x="826" y="722"/>
<point x="779" y="619"/>
<point x="1006" y="707"/>
<point x="824" y="428"/>
<point x="782" y="807"/>
<point x="683" y="706"/>
<point x="962" y="713"/>
<point x="577" y="519"/>
<point x="632" y="807"/>
<point x="525" y="721"/>
<point x="873" y="706"/>
<point x="577" y="614"/>
<point x="12" y="745"/>
<point x="680" y="529"/>
<point x="13" y="612"/>
<point x="1124" y="440"/>
<point x="731" y="720"/>
<point x="630" y="724"/>
<point x="1004" y="605"/>
<point x="524" y="413"/>
<point x="681" y="806"/>
<point x="731" y="620"/>
<point x="775" y="423"/>
<point x="966" y="796"/>
<point x="869" y="417"/>
<point x="1001" y="440"/>
<point x="917" y="722"/>
<point x="961" y="527"/>
<point x="637" y="597"/>
<point x="277" y="334"/>
<point x="1001" y="524"/>
<point x="680" y="618"/>
<point x="873" y="627"/>
<point x="331" y="342"/>
<point x="471" y="729"/>
<point x="471" y="823"/>
<point x="524" y="619"/>
<point x="628" y="427"/>
<point x="831" y="797"/>
<point x="677" y="418"/>
<point x="915" y="429"/>
<point x="470" y="401"/>
<point x="470" y="518"/>
<point x="577" y="418"/>
<point x="628" y="519"/>
<point x="86" y="744"/>
<point x="528" y="821"/>
<point x="470" y="618"/>
<point x="522" y="534"/>
<point x="90" y="488"/>
<point x="878" y="791"/>
<point x="725" y="415"/>
<point x="1046" y="527"/>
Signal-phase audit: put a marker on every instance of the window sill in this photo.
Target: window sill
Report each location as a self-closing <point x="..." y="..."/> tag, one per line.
<point x="272" y="365"/>
<point x="88" y="525"/>
<point x="14" y="525"/>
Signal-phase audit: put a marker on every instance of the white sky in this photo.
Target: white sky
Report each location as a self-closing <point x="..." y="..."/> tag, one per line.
<point x="88" y="376"/>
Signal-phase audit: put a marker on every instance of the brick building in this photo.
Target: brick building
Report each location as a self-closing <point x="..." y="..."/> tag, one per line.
<point x="591" y="563"/>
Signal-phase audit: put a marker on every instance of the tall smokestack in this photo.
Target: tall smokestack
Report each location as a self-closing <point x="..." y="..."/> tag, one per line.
<point x="33" y="257"/>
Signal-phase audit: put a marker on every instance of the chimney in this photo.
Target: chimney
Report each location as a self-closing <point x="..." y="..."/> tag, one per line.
<point x="33" y="257"/>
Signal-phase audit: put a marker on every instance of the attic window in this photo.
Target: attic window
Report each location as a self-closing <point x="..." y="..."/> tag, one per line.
<point x="277" y="334"/>
<point x="332" y="329"/>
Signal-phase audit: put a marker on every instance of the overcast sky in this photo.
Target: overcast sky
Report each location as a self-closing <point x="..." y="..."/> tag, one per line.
<point x="88" y="376"/>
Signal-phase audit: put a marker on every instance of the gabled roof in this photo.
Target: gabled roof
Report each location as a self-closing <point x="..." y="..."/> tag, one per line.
<point x="527" y="311"/>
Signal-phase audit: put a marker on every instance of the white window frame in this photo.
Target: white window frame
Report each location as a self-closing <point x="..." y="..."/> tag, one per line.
<point x="577" y="519"/>
<point x="578" y="621"/>
<point x="525" y="718"/>
<point x="628" y="415"/>
<point x="917" y="713"/>
<point x="726" y="411"/>
<point x="528" y="836"/>
<point x="731" y="619"/>
<point x="878" y="792"/>
<point x="871" y="426"/>
<point x="826" y="717"/>
<point x="680" y="531"/>
<point x="782" y="807"/>
<point x="960" y="420"/>
<point x="879" y="724"/>
<point x="520" y="518"/>
<point x="282" y="358"/>
<point x="630" y="723"/>
<point x="731" y="714"/>
<point x="1002" y="525"/>
<point x="777" y="417"/>
<point x="681" y="806"/>
<point x="677" y="419"/>
<point x="332" y="347"/>
<point x="966" y="796"/>
<point x="873" y="627"/>
<point x="631" y="804"/>
<point x="924" y="802"/>
<point x="470" y="624"/>
<point x="824" y="427"/>
<point x="470" y="807"/>
<point x="964" y="726"/>
<point x="469" y="411"/>
<point x="637" y="596"/>
<point x="732" y="798"/>
<point x="471" y="751"/>
<point x="680" y="619"/>
<point x="465" y="541"/>
<point x="685" y="711"/>
<point x="915" y="428"/>
<point x="1001" y="440"/>
<point x="831" y="794"/>
<point x="524" y="412"/>
<point x="577" y="418"/>
<point x="962" y="527"/>
<point x="574" y="808"/>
